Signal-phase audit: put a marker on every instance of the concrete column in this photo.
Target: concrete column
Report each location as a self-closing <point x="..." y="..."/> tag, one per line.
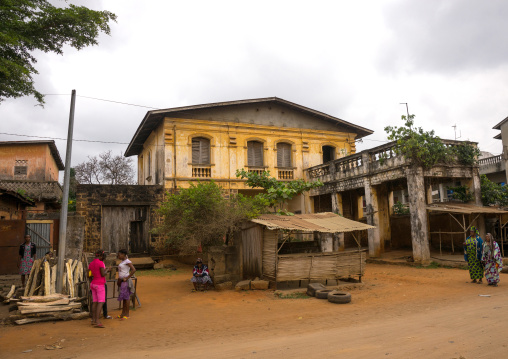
<point x="478" y="201"/>
<point x="385" y="234"/>
<point x="418" y="215"/>
<point x="338" y="238"/>
<point x="428" y="193"/>
<point x="442" y="193"/>
<point x="390" y="201"/>
<point x="372" y="215"/>
<point x="326" y="242"/>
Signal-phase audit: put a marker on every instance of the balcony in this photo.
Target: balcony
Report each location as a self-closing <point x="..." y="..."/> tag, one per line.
<point x="201" y="171"/>
<point x="491" y="165"/>
<point x="285" y="174"/>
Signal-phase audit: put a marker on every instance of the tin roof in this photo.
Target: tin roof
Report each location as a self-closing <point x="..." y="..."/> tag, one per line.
<point x="326" y="222"/>
<point x="153" y="118"/>
<point x="466" y="208"/>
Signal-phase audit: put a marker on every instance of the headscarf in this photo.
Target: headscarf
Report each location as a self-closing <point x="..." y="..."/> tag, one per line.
<point x="475" y="230"/>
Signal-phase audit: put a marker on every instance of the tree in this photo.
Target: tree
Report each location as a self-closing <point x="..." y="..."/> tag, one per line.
<point x="201" y="214"/>
<point x="30" y="25"/>
<point x="493" y="193"/>
<point x="277" y="192"/>
<point x="425" y="149"/>
<point x="105" y="169"/>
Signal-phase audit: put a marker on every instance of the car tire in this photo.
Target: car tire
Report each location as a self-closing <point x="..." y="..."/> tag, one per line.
<point x="339" y="297"/>
<point x="323" y="293"/>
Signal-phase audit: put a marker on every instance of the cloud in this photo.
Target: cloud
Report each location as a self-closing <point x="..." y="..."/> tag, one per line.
<point x="445" y="36"/>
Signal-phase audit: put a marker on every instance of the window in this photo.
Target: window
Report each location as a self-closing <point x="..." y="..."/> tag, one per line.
<point x="328" y="154"/>
<point x="255" y="153"/>
<point x="200" y="150"/>
<point x="283" y="155"/>
<point x="20" y="170"/>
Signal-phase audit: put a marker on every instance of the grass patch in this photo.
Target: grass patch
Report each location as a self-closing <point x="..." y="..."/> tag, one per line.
<point x="163" y="272"/>
<point x="296" y="295"/>
<point x="434" y="265"/>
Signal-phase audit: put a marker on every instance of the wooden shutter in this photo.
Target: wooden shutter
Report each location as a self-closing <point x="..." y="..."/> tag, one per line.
<point x="200" y="150"/>
<point x="283" y="155"/>
<point x="255" y="153"/>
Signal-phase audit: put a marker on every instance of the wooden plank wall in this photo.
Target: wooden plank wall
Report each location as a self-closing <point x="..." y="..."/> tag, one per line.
<point x="252" y="247"/>
<point x="269" y="253"/>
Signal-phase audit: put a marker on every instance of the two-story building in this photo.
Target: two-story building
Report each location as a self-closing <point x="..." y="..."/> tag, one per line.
<point x="211" y="141"/>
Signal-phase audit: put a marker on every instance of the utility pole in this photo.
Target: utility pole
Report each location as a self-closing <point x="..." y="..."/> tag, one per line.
<point x="65" y="200"/>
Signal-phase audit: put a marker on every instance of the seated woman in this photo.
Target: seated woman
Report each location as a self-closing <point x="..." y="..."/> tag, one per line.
<point x="200" y="275"/>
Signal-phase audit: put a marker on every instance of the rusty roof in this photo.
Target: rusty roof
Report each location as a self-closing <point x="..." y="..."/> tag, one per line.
<point x="153" y="118"/>
<point x="327" y="222"/>
<point x="465" y="208"/>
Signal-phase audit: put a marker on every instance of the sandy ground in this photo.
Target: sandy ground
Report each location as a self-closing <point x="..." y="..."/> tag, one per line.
<point x="400" y="312"/>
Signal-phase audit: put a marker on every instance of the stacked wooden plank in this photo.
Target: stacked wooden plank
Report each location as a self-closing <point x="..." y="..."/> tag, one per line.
<point x="33" y="309"/>
<point x="42" y="279"/>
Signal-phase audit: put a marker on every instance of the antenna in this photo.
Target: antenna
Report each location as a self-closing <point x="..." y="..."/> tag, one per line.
<point x="455" y="130"/>
<point x="407" y="108"/>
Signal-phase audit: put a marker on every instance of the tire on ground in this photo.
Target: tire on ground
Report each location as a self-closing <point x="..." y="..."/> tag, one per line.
<point x="339" y="297"/>
<point x="313" y="287"/>
<point x="323" y="293"/>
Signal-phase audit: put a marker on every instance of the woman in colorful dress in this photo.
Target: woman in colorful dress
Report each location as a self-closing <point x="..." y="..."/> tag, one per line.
<point x="200" y="275"/>
<point x="492" y="259"/>
<point x="27" y="252"/>
<point x="473" y="249"/>
<point x="125" y="271"/>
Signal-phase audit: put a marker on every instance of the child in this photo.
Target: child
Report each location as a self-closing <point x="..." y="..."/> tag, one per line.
<point x="125" y="271"/>
<point x="99" y="272"/>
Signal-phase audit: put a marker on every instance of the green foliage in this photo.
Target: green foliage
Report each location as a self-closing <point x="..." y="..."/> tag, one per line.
<point x="467" y="154"/>
<point x="277" y="192"/>
<point x="493" y="193"/>
<point x="400" y="208"/>
<point x="423" y="148"/>
<point x="462" y="193"/>
<point x="72" y="191"/>
<point x="23" y="193"/>
<point x="27" y="26"/>
<point x="202" y="215"/>
<point x="294" y="295"/>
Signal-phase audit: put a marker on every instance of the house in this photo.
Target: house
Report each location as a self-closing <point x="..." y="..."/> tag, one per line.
<point x="494" y="167"/>
<point x="211" y="141"/>
<point x="368" y="185"/>
<point x="31" y="168"/>
<point x="29" y="177"/>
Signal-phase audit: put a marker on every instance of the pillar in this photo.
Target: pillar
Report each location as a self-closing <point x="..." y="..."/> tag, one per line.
<point x="326" y="242"/>
<point x="372" y="215"/>
<point x="383" y="202"/>
<point x="390" y="201"/>
<point x="418" y="215"/>
<point x="428" y="193"/>
<point x="338" y="238"/>
<point x="443" y="195"/>
<point x="477" y="191"/>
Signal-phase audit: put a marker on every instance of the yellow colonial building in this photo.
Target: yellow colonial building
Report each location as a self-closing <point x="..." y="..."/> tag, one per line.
<point x="210" y="142"/>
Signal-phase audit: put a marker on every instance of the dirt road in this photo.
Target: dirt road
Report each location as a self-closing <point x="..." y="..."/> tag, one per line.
<point x="401" y="312"/>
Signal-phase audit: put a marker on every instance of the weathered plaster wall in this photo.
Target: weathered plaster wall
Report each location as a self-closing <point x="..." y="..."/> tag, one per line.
<point x="41" y="166"/>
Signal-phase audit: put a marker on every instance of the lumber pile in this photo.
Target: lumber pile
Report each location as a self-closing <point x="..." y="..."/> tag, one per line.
<point x="42" y="279"/>
<point x="34" y="309"/>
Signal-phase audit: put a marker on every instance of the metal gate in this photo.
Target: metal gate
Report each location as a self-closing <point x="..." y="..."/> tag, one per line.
<point x="41" y="236"/>
<point x="12" y="234"/>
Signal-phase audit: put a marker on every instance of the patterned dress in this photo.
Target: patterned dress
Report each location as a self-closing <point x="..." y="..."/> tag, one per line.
<point x="473" y="255"/>
<point x="27" y="261"/>
<point x="493" y="262"/>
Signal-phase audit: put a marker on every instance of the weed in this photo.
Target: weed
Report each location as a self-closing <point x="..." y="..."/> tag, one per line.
<point x="296" y="295"/>
<point x="164" y="272"/>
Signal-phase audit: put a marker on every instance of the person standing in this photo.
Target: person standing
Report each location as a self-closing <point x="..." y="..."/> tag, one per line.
<point x="125" y="271"/>
<point x="27" y="254"/>
<point x="473" y="249"/>
<point x="99" y="271"/>
<point x="492" y="259"/>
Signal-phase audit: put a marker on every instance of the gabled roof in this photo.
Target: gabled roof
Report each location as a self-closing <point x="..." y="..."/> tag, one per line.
<point x="498" y="126"/>
<point x="153" y="118"/>
<point x="50" y="143"/>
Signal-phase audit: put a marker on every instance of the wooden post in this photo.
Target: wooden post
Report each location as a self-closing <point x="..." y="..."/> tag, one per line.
<point x="440" y="252"/>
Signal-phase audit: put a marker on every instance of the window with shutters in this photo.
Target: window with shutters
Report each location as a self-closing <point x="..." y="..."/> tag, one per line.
<point x="328" y="154"/>
<point x="283" y="155"/>
<point x="200" y="151"/>
<point x="255" y="154"/>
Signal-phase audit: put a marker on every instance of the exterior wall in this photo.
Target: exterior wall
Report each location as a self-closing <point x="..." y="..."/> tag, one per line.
<point x="228" y="151"/>
<point x="41" y="164"/>
<point x="92" y="198"/>
<point x="11" y="208"/>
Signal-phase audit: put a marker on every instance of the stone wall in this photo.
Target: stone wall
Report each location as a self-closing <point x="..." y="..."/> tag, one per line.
<point x="75" y="236"/>
<point x="91" y="198"/>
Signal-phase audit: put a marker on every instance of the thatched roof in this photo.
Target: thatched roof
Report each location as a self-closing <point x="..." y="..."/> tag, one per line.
<point x="313" y="222"/>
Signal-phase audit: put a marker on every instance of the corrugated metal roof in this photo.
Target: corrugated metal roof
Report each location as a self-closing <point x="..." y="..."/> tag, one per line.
<point x="463" y="208"/>
<point x="319" y="222"/>
<point x="153" y="118"/>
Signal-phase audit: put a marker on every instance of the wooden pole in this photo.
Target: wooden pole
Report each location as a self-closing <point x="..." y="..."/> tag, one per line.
<point x="440" y="251"/>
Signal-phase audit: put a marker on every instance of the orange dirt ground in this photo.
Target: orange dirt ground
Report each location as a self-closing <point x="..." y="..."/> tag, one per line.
<point x="400" y="312"/>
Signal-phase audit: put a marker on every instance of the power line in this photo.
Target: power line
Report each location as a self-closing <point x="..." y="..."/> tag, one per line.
<point x="102" y="99"/>
<point x="63" y="139"/>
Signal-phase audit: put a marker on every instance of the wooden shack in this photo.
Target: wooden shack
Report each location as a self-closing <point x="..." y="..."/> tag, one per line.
<point x="290" y="248"/>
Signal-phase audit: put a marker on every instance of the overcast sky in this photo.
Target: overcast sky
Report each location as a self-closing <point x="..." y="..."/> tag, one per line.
<point x="356" y="60"/>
